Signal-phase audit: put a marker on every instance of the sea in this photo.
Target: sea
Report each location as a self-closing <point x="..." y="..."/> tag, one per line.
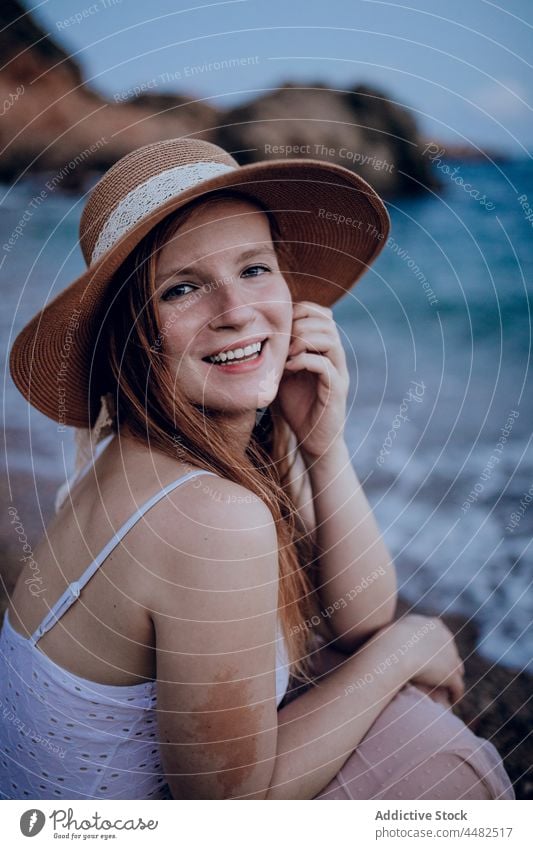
<point x="437" y="336"/>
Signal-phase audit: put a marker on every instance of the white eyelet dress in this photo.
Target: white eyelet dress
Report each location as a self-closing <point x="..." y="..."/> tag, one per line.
<point x="62" y="736"/>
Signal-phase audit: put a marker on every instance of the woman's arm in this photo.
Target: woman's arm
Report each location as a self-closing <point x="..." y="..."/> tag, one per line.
<point x="213" y="557"/>
<point x="220" y="734"/>
<point x="357" y="585"/>
<point x="318" y="731"/>
<point x="356" y="581"/>
<point x="355" y="596"/>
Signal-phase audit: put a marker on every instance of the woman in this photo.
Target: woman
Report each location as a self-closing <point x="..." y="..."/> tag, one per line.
<point x="229" y="542"/>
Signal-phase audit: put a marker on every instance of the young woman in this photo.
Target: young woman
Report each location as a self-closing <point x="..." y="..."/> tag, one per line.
<point x="220" y="542"/>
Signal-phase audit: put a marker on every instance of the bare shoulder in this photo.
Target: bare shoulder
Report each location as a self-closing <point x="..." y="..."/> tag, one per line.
<point x="210" y="532"/>
<point x="214" y="614"/>
<point x="210" y="501"/>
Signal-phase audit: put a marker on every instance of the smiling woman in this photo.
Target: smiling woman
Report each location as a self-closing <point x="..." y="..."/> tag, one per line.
<point x="250" y="305"/>
<point x="163" y="666"/>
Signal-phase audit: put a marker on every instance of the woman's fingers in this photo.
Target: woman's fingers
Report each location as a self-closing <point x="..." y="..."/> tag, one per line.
<point x="312" y="338"/>
<point x="316" y="363"/>
<point x="314" y="329"/>
<point x="456" y="685"/>
<point x="304" y="308"/>
<point x="320" y="343"/>
<point x="317" y="342"/>
<point x="440" y="694"/>
<point x="456" y="688"/>
<point x="322" y="363"/>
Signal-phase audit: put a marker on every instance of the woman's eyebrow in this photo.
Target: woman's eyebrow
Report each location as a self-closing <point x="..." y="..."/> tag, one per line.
<point x="247" y="254"/>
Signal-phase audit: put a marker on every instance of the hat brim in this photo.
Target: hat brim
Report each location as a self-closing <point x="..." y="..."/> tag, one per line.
<point x="333" y="221"/>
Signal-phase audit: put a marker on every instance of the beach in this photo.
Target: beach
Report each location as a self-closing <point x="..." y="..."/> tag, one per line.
<point x="438" y="340"/>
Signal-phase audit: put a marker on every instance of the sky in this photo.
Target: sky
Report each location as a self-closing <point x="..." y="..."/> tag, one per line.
<point x="461" y="65"/>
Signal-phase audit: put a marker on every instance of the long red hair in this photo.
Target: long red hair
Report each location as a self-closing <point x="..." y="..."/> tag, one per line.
<point x="154" y="412"/>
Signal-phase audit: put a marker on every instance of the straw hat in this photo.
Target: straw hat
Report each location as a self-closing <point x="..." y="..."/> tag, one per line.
<point x="332" y="221"/>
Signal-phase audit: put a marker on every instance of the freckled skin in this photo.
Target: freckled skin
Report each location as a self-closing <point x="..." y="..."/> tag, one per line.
<point x="217" y="730"/>
<point x="226" y="724"/>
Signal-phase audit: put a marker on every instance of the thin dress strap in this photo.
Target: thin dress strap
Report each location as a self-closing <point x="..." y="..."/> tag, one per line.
<point x="73" y="590"/>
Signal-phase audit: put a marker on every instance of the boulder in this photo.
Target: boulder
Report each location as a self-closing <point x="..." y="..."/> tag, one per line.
<point x="52" y="121"/>
<point x="360" y="129"/>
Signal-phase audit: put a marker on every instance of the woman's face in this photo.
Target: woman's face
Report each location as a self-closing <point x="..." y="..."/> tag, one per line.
<point x="219" y="289"/>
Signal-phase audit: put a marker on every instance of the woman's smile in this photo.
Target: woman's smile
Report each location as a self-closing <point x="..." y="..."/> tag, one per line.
<point x="240" y="358"/>
<point x="227" y="307"/>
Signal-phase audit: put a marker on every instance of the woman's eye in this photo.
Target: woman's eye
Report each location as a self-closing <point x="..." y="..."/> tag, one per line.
<point x="174" y="290"/>
<point x="177" y="290"/>
<point x="254" y="268"/>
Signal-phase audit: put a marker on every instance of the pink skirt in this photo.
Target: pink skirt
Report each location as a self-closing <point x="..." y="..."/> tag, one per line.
<point x="417" y="749"/>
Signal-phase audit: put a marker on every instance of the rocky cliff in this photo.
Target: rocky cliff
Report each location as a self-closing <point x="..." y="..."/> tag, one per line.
<point x="51" y="118"/>
<point x="54" y="121"/>
<point x="360" y="129"/>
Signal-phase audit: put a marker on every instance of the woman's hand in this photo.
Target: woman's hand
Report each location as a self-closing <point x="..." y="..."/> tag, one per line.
<point x="434" y="658"/>
<point x="313" y="389"/>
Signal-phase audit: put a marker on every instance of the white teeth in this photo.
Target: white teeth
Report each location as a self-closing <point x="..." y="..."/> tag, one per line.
<point x="237" y="353"/>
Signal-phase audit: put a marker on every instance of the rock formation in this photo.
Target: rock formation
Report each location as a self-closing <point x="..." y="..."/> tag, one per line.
<point x="57" y="119"/>
<point x="361" y="129"/>
<point x="54" y="121"/>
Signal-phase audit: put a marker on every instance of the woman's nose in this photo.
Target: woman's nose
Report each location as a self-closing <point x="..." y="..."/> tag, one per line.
<point x="232" y="306"/>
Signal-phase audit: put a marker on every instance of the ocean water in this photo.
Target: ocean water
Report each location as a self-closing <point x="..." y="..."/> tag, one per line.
<point x="438" y="341"/>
